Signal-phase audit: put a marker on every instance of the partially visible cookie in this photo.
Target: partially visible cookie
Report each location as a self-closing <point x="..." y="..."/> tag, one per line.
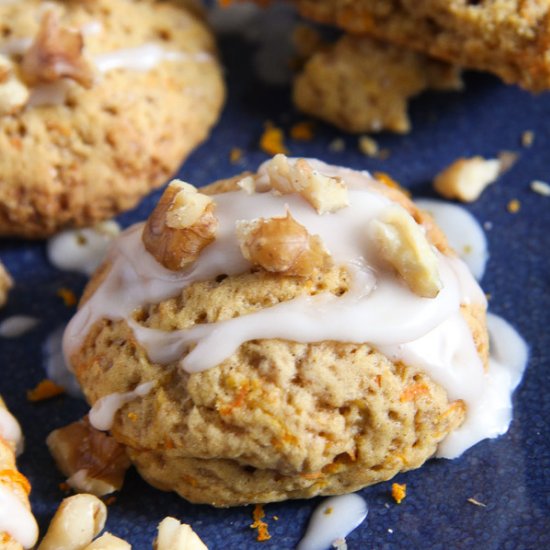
<point x="362" y="85"/>
<point x="6" y="283"/>
<point x="99" y="103"/>
<point x="509" y="38"/>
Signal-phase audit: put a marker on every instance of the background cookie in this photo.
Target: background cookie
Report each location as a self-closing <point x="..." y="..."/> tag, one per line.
<point x="113" y="133"/>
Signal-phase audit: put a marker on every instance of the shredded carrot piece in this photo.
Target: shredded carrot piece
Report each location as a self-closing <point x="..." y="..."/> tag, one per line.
<point x="237" y="402"/>
<point x="46" y="389"/>
<point x="132" y="416"/>
<point x="513" y="206"/>
<point x="261" y="526"/>
<point x="15" y="478"/>
<point x="398" y="492"/>
<point x="235" y="155"/>
<point x="68" y="296"/>
<point x="413" y="391"/>
<point x="303" y="131"/>
<point x="272" y="140"/>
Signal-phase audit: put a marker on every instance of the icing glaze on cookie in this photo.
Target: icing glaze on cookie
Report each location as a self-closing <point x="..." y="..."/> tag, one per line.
<point x="16" y="519"/>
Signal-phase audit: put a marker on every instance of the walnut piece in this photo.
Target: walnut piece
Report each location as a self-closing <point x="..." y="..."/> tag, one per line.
<point x="324" y="193"/>
<point x="57" y="52"/>
<point x="282" y="245"/>
<point x="108" y="542"/>
<point x="13" y="93"/>
<point x="173" y="535"/>
<point x="465" y="179"/>
<point x="93" y="461"/>
<point x="180" y="226"/>
<point x="402" y="243"/>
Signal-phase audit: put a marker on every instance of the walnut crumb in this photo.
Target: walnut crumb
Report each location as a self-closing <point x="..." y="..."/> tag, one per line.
<point x="272" y="140"/>
<point x="540" y="187"/>
<point x="368" y="146"/>
<point x="45" y="389"/>
<point x="527" y="138"/>
<point x="180" y="226"/>
<point x="282" y="245"/>
<point x="466" y="178"/>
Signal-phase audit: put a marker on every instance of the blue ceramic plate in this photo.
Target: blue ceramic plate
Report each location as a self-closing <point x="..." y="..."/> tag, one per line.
<point x="510" y="474"/>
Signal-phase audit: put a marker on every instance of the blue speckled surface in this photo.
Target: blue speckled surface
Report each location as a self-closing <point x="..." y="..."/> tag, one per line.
<point x="511" y="474"/>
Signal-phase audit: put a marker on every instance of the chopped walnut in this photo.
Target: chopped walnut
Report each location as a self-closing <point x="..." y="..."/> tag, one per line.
<point x="402" y="243"/>
<point x="173" y="535"/>
<point x="282" y="245"/>
<point x="57" y="52"/>
<point x="324" y="193"/>
<point x="13" y="93"/>
<point x="465" y="179"/>
<point x="180" y="226"/>
<point x="93" y="461"/>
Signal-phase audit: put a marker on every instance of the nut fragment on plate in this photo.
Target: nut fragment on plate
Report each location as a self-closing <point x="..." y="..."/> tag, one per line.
<point x="108" y="542"/>
<point x="76" y="522"/>
<point x="466" y="178"/>
<point x="282" y="245"/>
<point x="57" y="52"/>
<point x="93" y="461"/>
<point x="180" y="226"/>
<point x="13" y="93"/>
<point x="173" y="535"/>
<point x="6" y="283"/>
<point x="324" y="193"/>
<point x="402" y="243"/>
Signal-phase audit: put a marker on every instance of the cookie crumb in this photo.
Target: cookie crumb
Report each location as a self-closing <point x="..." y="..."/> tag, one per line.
<point x="303" y="131"/>
<point x="507" y="160"/>
<point x="527" y="138"/>
<point x="272" y="140"/>
<point x="399" y="492"/>
<point x="368" y="146"/>
<point x="390" y="531"/>
<point x="261" y="526"/>
<point x="476" y="502"/>
<point x="68" y="296"/>
<point x="235" y="155"/>
<point x="46" y="389"/>
<point x="514" y="206"/>
<point x="64" y="486"/>
<point x="540" y="187"/>
<point x="337" y="145"/>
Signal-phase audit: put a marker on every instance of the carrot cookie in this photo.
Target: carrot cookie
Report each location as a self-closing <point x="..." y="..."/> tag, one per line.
<point x="508" y="38"/>
<point x="301" y="331"/>
<point x="362" y="85"/>
<point x="95" y="111"/>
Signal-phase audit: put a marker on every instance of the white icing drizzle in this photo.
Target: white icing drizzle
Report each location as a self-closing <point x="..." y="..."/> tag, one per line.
<point x="16" y="519"/>
<point x="332" y="521"/>
<point x="82" y="250"/>
<point x="144" y="58"/>
<point x="10" y="430"/>
<point x="55" y="365"/>
<point x="15" y="46"/>
<point x="428" y="334"/>
<point x="463" y="231"/>
<point x="102" y="414"/>
<point x="17" y="325"/>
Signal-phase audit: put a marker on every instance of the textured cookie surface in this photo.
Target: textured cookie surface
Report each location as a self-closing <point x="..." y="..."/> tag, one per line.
<point x="362" y="85"/>
<point x="276" y="419"/>
<point x="509" y="38"/>
<point x="91" y="152"/>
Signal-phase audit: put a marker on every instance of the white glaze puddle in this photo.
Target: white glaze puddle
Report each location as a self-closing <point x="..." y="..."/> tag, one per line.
<point x="429" y="334"/>
<point x="463" y="231"/>
<point x="17" y="325"/>
<point x="10" y="430"/>
<point x="55" y="365"/>
<point x="16" y="520"/>
<point x="102" y="414"/>
<point x="332" y="521"/>
<point x="81" y="250"/>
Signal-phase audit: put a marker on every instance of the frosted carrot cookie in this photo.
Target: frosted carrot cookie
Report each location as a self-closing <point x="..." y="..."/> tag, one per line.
<point x="362" y="85"/>
<point x="99" y="103"/>
<point x="5" y="284"/>
<point x="508" y="38"/>
<point x="301" y="331"/>
<point x="18" y="528"/>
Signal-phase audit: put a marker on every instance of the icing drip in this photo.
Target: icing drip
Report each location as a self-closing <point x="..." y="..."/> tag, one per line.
<point x="378" y="308"/>
<point x="10" y="430"/>
<point x="332" y="521"/>
<point x="16" y="519"/>
<point x="102" y="414"/>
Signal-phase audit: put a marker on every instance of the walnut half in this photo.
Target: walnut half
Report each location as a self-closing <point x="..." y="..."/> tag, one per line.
<point x="402" y="243"/>
<point x="180" y="226"/>
<point x="57" y="52"/>
<point x="282" y="245"/>
<point x="93" y="461"/>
